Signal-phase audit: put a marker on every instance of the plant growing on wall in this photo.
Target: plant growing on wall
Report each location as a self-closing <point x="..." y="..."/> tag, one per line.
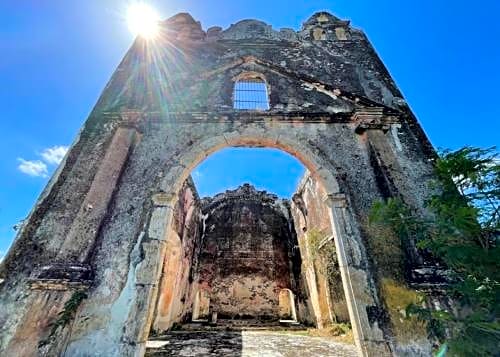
<point x="386" y="248"/>
<point x="462" y="231"/>
<point x="324" y="255"/>
<point x="66" y="315"/>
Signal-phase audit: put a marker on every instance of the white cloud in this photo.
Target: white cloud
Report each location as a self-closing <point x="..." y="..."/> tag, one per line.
<point x="39" y="168"/>
<point x="54" y="155"/>
<point x="35" y="168"/>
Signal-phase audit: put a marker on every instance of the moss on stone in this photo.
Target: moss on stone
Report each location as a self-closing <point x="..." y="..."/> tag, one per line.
<point x="397" y="298"/>
<point x="387" y="251"/>
<point x="323" y="256"/>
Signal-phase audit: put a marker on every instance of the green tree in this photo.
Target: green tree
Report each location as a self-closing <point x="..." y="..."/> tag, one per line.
<point x="462" y="231"/>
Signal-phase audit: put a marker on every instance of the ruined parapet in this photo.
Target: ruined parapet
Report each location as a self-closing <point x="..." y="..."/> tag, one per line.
<point x="323" y="26"/>
<point x="182" y="27"/>
<point x="244" y="193"/>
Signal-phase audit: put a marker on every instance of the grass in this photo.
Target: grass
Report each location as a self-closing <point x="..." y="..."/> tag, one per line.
<point x="397" y="297"/>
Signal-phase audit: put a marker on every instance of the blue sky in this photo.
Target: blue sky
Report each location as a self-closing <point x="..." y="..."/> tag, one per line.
<point x="56" y="57"/>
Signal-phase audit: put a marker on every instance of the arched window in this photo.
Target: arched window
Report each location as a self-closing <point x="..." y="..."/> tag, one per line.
<point x="319" y="34"/>
<point x="250" y="93"/>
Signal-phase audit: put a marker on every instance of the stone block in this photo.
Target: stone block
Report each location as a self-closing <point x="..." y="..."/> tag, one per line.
<point x="164" y="199"/>
<point x="148" y="270"/>
<point x="174" y="177"/>
<point x="159" y="223"/>
<point x="137" y="328"/>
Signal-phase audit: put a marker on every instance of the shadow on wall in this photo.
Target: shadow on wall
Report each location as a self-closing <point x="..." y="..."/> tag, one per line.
<point x="196" y="343"/>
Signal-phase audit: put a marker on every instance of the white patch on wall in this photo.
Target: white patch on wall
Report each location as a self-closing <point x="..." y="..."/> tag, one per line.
<point x="394" y="132"/>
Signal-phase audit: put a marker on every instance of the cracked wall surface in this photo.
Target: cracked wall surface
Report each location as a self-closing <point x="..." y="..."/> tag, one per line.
<point x="247" y="253"/>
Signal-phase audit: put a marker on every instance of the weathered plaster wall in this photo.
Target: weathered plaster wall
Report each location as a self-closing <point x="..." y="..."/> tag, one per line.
<point x="101" y="224"/>
<point x="175" y="297"/>
<point x="319" y="261"/>
<point x="246" y="256"/>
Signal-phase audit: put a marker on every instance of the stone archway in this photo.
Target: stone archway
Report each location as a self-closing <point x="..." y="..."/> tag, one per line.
<point x="356" y="282"/>
<point x="115" y="313"/>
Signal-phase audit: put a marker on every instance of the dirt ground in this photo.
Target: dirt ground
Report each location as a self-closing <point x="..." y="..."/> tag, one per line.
<point x="246" y="344"/>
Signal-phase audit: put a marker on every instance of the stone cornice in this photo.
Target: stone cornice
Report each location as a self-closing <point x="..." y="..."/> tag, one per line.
<point x="373" y="118"/>
<point x="62" y="276"/>
<point x="335" y="199"/>
<point x="364" y="118"/>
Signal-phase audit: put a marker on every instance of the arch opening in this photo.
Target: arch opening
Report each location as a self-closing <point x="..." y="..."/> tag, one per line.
<point x="230" y="272"/>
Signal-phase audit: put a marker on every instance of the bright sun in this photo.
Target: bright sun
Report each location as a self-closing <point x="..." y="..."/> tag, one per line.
<point x="143" y="20"/>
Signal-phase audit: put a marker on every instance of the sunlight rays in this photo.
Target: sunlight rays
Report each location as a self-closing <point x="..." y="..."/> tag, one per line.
<point x="155" y="68"/>
<point x="143" y="20"/>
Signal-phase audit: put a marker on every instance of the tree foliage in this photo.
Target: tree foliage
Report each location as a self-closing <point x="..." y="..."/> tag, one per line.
<point x="462" y="231"/>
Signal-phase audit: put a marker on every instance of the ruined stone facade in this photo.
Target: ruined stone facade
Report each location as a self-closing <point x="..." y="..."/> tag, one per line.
<point x="87" y="268"/>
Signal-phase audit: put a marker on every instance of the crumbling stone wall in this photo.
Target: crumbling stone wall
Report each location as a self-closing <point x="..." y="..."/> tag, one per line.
<point x="246" y="255"/>
<point x="320" y="270"/>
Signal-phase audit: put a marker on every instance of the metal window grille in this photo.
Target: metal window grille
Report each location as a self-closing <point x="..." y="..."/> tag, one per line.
<point x="251" y="94"/>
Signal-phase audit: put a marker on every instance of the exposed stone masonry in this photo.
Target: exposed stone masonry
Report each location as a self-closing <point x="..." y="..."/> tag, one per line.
<point x="235" y="253"/>
<point x="247" y="254"/>
<point x="177" y="282"/>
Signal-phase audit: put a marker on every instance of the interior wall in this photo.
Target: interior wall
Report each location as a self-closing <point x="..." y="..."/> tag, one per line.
<point x="246" y="254"/>
<point x="175" y="298"/>
<point x="320" y="271"/>
<point x="235" y="253"/>
<point x="241" y="249"/>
